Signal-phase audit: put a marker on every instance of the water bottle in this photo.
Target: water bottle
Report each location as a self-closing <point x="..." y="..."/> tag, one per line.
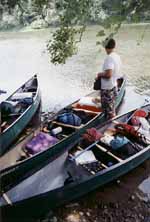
<point x="56" y="130"/>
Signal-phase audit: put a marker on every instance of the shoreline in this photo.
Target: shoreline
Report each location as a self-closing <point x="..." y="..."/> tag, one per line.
<point x="30" y="29"/>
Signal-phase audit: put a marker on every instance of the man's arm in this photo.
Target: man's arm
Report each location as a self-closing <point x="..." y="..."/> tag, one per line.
<point x="106" y="74"/>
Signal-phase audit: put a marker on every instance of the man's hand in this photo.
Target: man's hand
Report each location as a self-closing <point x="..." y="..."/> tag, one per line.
<point x="99" y="75"/>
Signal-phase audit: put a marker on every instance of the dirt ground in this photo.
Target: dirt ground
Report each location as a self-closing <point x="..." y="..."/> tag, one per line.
<point x="120" y="201"/>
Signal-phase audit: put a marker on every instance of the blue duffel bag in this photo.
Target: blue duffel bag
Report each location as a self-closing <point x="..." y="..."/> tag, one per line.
<point x="69" y="118"/>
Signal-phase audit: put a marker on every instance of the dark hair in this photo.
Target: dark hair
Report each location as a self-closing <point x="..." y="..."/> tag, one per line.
<point x="110" y="44"/>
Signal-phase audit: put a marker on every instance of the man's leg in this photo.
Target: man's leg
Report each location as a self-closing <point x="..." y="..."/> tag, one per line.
<point x="103" y="95"/>
<point x="108" y="102"/>
<point x="111" y="103"/>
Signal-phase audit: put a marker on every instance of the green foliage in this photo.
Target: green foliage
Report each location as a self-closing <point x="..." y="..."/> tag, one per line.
<point x="63" y="45"/>
<point x="11" y="4"/>
<point x="74" y="12"/>
<point x="38" y="5"/>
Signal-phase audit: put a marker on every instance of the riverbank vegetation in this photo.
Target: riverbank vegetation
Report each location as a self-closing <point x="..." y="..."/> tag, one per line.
<point x="72" y="17"/>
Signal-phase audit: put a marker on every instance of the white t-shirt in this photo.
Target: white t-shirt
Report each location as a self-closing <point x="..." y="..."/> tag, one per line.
<point x="112" y="61"/>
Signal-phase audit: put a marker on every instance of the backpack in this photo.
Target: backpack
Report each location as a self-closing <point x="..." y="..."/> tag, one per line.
<point x="92" y="135"/>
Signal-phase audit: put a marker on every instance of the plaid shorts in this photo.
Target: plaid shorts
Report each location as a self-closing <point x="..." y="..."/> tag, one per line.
<point x="108" y="101"/>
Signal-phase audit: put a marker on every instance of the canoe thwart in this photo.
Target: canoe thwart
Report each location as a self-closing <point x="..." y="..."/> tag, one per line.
<point x="79" y="148"/>
<point x="6" y="198"/>
<point x="65" y="136"/>
<point x="109" y="153"/>
<point x="103" y="165"/>
<point x="115" y="121"/>
<point x="86" y="111"/>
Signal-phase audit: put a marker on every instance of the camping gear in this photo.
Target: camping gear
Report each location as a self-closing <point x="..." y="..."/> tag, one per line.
<point x="140" y="113"/>
<point x="107" y="139"/>
<point x="123" y="146"/>
<point x="89" y="103"/>
<point x="69" y="118"/>
<point x="86" y="157"/>
<point x="135" y="121"/>
<point x="144" y="124"/>
<point x="16" y="115"/>
<point x="40" y="142"/>
<point x="56" y="130"/>
<point x="91" y="135"/>
<point x="60" y="180"/>
<point x="130" y="132"/>
<point x="118" y="142"/>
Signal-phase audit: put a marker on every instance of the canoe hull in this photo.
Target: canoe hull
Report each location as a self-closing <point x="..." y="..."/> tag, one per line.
<point x="41" y="204"/>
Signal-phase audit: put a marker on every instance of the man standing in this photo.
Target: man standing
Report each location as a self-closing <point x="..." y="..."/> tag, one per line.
<point x="111" y="71"/>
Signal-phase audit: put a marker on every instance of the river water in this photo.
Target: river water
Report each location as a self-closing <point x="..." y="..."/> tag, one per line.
<point x="23" y="54"/>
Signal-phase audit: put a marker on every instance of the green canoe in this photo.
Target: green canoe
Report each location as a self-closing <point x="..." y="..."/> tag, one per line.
<point x="17" y="111"/>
